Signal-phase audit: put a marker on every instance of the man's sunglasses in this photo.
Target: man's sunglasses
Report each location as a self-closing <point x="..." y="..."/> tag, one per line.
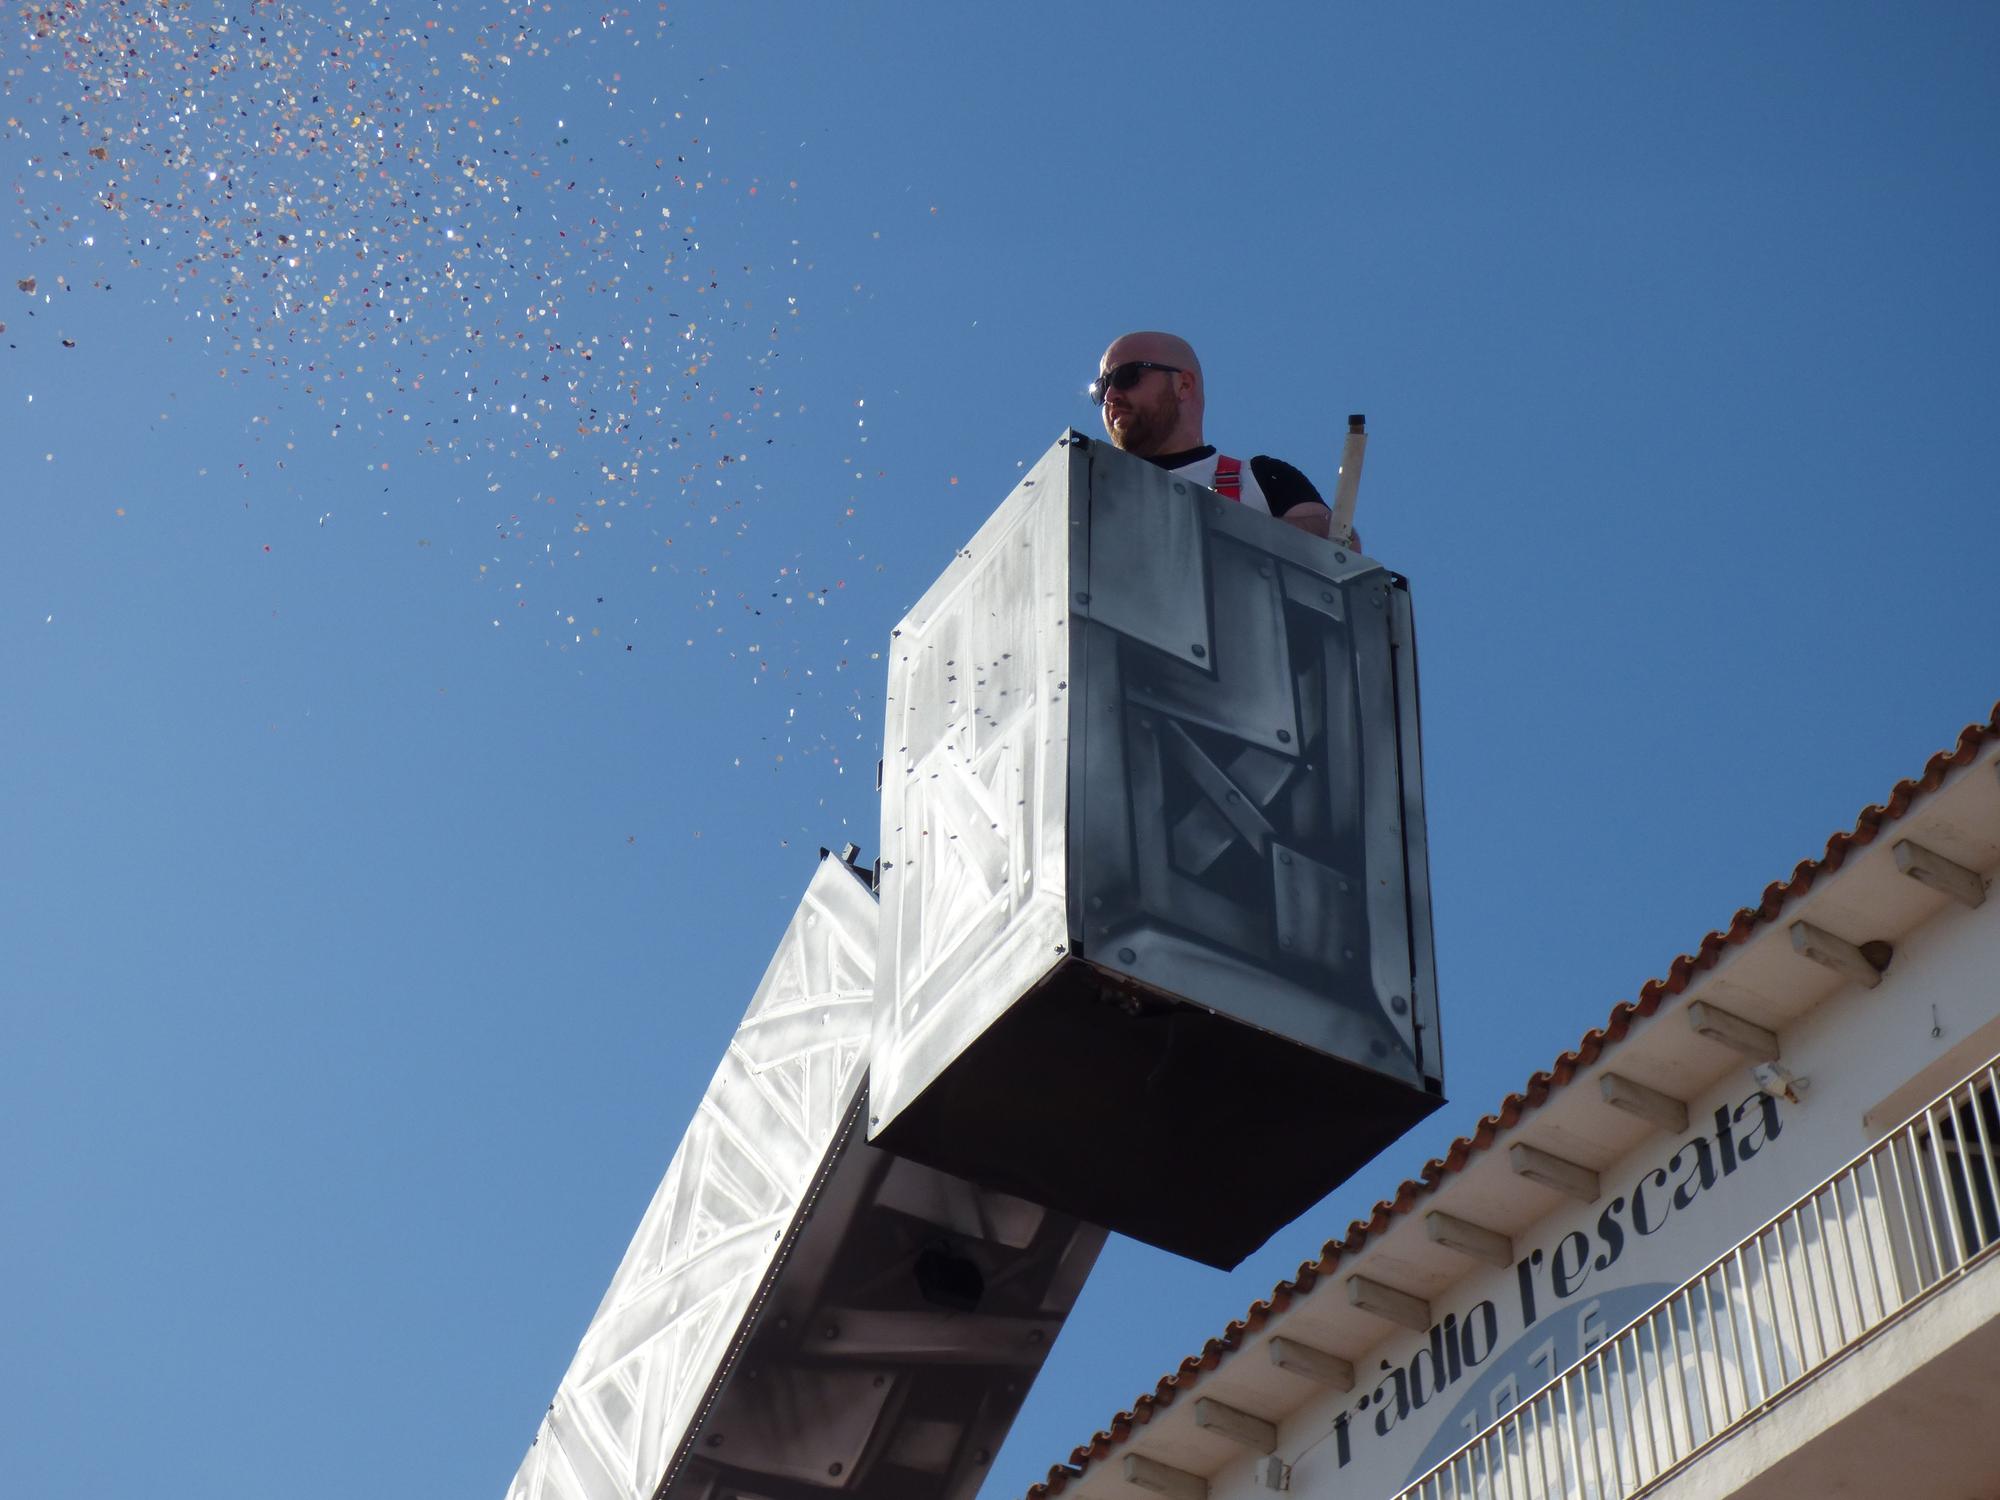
<point x="1124" y="377"/>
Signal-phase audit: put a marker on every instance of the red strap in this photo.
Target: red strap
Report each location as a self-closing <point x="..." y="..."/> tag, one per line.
<point x="1228" y="477"/>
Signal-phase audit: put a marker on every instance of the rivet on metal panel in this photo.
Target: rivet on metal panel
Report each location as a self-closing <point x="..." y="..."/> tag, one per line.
<point x="1199" y="650"/>
<point x="1285" y="858"/>
<point x="980" y="1455"/>
<point x="1398" y="1004"/>
<point x="831" y="1331"/>
<point x="1284" y="736"/>
<point x="1343" y="888"/>
<point x="1326" y="596"/>
<point x="834" y="1469"/>
<point x="1083" y="598"/>
<point x="715" y="1440"/>
<point x="1284" y="940"/>
<point x="1126" y="956"/>
<point x="1340" y="557"/>
<point x="1263" y="570"/>
<point x="1179" y="488"/>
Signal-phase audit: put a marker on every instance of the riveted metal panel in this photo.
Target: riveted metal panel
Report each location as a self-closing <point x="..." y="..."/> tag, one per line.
<point x="787" y="1081"/>
<point x="802" y="1313"/>
<point x="974" y="785"/>
<point x="1266" y="791"/>
<point x="1243" y="966"/>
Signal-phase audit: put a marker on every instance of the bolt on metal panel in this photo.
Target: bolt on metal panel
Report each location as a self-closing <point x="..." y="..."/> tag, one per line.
<point x="1237" y="1007"/>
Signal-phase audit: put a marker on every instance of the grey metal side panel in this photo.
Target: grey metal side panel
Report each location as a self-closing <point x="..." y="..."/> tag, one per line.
<point x="974" y="788"/>
<point x="709" y="1236"/>
<point x="1416" y="840"/>
<point x="1247" y="787"/>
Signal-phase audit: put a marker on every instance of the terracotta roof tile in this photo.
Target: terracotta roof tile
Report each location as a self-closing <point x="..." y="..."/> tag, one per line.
<point x="1680" y="973"/>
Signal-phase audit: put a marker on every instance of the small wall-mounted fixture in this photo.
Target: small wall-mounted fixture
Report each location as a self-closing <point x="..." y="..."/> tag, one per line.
<point x="1779" y="1081"/>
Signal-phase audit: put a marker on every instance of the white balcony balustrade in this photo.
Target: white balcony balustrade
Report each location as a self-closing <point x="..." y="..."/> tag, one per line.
<point x="1892" y="1229"/>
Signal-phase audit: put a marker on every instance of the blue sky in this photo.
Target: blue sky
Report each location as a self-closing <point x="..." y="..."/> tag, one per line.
<point x="390" y="844"/>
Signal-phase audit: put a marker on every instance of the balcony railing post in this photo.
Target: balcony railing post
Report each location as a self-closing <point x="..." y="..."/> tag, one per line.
<point x="1992" y="1198"/>
<point x="1868" y="1215"/>
<point x="1819" y="1268"/>
<point x="1680" y="1368"/>
<point x="1541" y="1445"/>
<point x="1952" y="1229"/>
<point x="1701" y="1359"/>
<point x="1836" y="1245"/>
<point x="1913" y="1145"/>
<point x="1756" y="1339"/>
<point x="1791" y="1297"/>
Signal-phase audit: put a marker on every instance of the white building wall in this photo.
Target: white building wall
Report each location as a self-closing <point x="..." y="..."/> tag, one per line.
<point x="1665" y="1210"/>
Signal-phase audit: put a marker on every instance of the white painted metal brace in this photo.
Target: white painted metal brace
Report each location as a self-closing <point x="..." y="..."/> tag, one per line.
<point x="1834" y="952"/>
<point x="1386" y="1302"/>
<point x="1308" y="1363"/>
<point x="1928" y="867"/>
<point x="1733" y="1031"/>
<point x="1552" y="1171"/>
<point x="1467" y="1238"/>
<point x="1648" y="1104"/>
<point x="1164" y="1479"/>
<point x="1238" y="1426"/>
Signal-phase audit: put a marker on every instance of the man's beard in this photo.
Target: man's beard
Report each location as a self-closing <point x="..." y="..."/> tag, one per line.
<point x="1147" y="427"/>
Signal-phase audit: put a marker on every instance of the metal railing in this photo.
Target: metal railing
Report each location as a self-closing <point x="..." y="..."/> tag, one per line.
<point x="1893" y="1225"/>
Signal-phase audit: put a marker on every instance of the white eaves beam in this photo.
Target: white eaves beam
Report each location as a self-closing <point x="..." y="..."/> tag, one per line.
<point x="1305" y="1361"/>
<point x="1238" y="1426"/>
<point x="1928" y="867"/>
<point x="1164" y="1479"/>
<point x="1648" y="1104"/>
<point x="1467" y="1238"/>
<point x="1831" y="951"/>
<point x="1372" y="1296"/>
<point x="1735" y="1033"/>
<point x="1553" y="1171"/>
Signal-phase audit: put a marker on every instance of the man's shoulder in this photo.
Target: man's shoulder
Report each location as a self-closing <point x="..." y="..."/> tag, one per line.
<point x="1284" y="486"/>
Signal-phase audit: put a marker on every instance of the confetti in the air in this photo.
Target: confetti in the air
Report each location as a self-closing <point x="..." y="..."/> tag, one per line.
<point x="493" y="242"/>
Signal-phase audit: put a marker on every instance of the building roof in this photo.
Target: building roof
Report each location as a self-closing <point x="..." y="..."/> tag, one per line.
<point x="1683" y="971"/>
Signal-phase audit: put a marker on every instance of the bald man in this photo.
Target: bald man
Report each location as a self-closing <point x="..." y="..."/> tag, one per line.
<point x="1150" y="387"/>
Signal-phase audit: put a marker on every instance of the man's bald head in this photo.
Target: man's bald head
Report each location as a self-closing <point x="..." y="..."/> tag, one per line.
<point x="1161" y="411"/>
